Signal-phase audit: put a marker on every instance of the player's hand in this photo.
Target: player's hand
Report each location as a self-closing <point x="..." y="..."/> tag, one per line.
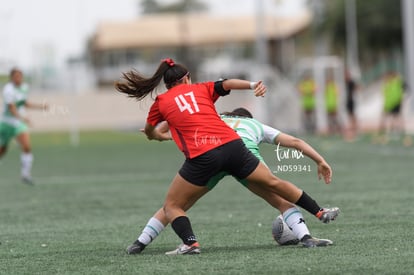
<point x="161" y="136"/>
<point x="260" y="89"/>
<point x="325" y="172"/>
<point x="158" y="135"/>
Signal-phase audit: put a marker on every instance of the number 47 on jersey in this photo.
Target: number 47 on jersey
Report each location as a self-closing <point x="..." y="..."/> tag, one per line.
<point x="183" y="104"/>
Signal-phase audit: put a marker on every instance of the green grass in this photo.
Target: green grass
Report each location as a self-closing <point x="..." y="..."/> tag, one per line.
<point x="91" y="201"/>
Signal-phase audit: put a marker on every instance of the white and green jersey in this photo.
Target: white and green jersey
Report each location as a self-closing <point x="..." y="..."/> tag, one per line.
<point x="252" y="132"/>
<point x="13" y="95"/>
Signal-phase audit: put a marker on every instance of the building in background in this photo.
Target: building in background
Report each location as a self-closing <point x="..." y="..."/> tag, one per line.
<point x="192" y="39"/>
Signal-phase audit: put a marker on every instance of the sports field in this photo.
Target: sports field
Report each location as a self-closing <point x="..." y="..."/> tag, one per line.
<point x="91" y="201"/>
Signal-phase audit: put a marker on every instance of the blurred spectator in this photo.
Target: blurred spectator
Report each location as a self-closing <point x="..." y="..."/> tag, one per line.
<point x="393" y="94"/>
<point x="331" y="104"/>
<point x="351" y="88"/>
<point x="307" y="90"/>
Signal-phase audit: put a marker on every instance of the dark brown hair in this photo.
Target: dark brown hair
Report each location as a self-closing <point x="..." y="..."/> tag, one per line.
<point x="138" y="86"/>
<point x="14" y="70"/>
<point x="239" y="112"/>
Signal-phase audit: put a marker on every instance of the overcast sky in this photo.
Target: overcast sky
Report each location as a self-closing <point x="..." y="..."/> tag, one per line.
<point x="32" y="31"/>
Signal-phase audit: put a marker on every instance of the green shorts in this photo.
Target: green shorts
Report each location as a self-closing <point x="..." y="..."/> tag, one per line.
<point x="8" y="132"/>
<point x="215" y="179"/>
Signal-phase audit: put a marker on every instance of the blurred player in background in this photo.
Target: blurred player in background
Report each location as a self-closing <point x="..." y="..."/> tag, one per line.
<point x="252" y="133"/>
<point x="307" y="91"/>
<point x="394" y="90"/>
<point x="331" y="104"/>
<point x="14" y="122"/>
<point x="351" y="88"/>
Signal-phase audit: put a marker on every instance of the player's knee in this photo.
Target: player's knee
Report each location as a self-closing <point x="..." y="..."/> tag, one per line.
<point x="169" y="206"/>
<point x="26" y="149"/>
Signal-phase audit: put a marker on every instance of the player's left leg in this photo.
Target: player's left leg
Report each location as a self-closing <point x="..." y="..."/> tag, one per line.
<point x="26" y="157"/>
<point x="6" y="134"/>
<point x="3" y="150"/>
<point x="181" y="194"/>
<point x="292" y="216"/>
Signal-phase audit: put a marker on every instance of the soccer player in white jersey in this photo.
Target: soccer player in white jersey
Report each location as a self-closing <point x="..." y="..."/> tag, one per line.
<point x="14" y="123"/>
<point x="253" y="133"/>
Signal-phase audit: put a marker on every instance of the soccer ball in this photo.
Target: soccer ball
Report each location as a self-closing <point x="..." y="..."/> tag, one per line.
<point x="282" y="233"/>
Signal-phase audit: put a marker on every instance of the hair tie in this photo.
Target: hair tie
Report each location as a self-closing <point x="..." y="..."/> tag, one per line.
<point x="169" y="61"/>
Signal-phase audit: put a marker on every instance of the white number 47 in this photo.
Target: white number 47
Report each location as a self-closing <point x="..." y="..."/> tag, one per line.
<point x="183" y="104"/>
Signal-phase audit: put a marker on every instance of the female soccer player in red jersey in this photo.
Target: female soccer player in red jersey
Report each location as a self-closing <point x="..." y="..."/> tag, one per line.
<point x="209" y="145"/>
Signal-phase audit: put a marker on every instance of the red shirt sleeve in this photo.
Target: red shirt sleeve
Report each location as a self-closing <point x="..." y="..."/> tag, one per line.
<point x="154" y="116"/>
<point x="210" y="87"/>
<point x="215" y="96"/>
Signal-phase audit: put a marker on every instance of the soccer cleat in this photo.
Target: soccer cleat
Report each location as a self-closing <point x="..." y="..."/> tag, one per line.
<point x="309" y="242"/>
<point x="328" y="214"/>
<point x="185" y="249"/>
<point x="136" y="248"/>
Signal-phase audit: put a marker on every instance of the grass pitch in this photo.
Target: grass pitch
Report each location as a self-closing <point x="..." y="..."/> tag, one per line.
<point x="91" y="201"/>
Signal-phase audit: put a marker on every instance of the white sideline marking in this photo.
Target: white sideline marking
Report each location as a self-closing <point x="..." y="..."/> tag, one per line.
<point x="104" y="178"/>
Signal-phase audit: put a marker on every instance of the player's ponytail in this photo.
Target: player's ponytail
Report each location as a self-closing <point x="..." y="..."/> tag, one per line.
<point x="136" y="85"/>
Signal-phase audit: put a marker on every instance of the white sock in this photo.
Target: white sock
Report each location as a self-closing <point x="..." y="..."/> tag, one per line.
<point x="294" y="219"/>
<point x="26" y="160"/>
<point x="151" y="231"/>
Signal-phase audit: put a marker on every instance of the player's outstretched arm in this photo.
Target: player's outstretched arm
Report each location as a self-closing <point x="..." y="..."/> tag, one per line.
<point x="239" y="84"/>
<point x="38" y="106"/>
<point x="324" y="170"/>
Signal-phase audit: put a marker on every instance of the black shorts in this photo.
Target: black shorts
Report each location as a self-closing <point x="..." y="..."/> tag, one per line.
<point x="350" y="107"/>
<point x="232" y="157"/>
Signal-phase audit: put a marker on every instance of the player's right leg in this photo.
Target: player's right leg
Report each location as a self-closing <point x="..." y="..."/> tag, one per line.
<point x="159" y="221"/>
<point x="152" y="230"/>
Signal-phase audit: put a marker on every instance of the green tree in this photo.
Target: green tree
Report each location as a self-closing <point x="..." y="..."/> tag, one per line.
<point x="379" y="25"/>
<point x="378" y="22"/>
<point x="149" y="6"/>
<point x="181" y="6"/>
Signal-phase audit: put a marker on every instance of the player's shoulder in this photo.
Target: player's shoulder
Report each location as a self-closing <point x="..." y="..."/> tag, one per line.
<point x="206" y="86"/>
<point x="8" y="88"/>
<point x="252" y="120"/>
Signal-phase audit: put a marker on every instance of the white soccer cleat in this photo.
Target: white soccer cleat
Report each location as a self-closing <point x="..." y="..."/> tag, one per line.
<point x="309" y="242"/>
<point x="328" y="214"/>
<point x="185" y="249"/>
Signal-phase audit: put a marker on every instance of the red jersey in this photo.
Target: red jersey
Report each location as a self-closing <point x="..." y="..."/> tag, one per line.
<point x="192" y="117"/>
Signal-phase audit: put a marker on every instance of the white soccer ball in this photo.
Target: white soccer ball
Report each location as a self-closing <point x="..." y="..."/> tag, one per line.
<point x="282" y="233"/>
